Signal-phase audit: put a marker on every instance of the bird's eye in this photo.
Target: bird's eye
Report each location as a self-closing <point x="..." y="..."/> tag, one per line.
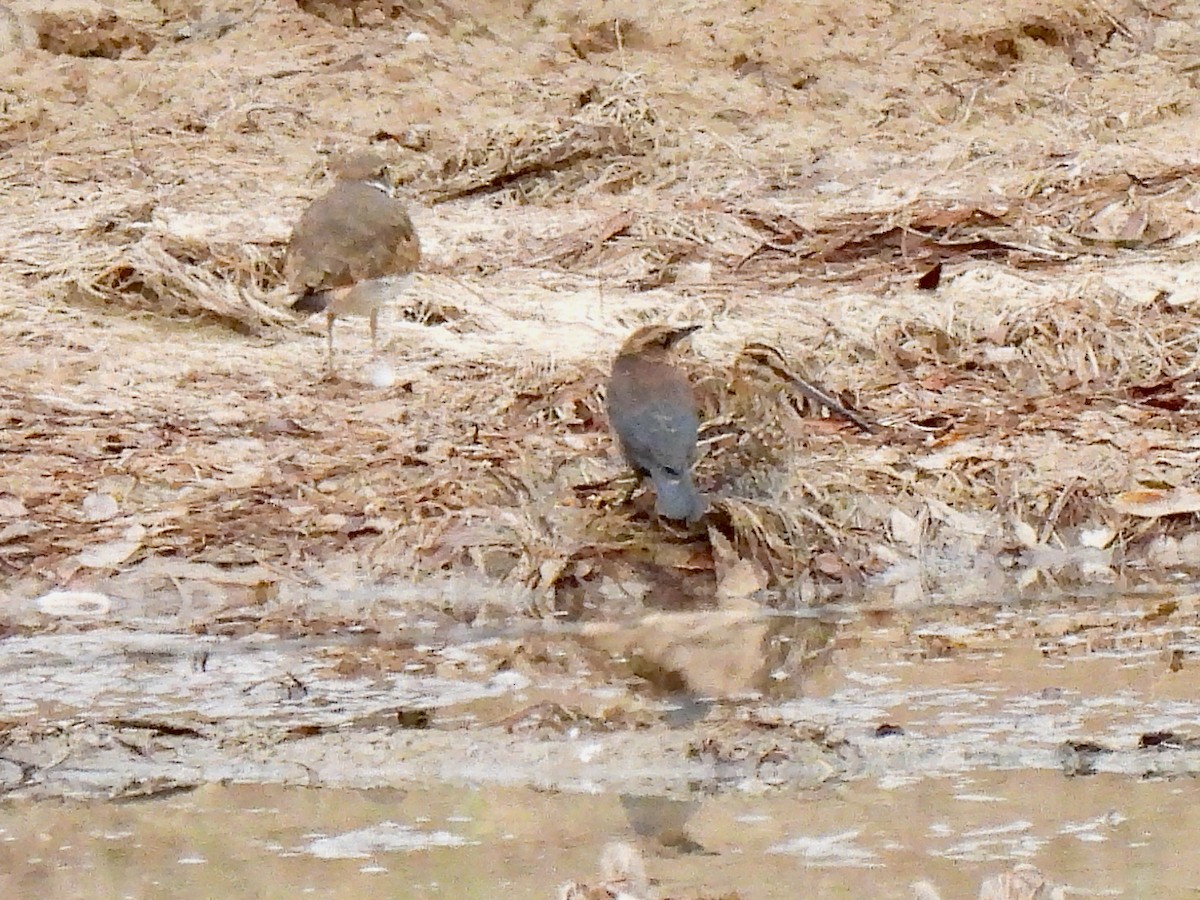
<point x="674" y="473"/>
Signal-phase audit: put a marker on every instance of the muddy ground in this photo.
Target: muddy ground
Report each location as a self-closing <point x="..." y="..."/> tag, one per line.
<point x="976" y="225"/>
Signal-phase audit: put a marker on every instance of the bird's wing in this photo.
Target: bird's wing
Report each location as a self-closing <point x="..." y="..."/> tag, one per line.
<point x="353" y="233"/>
<point x="663" y="436"/>
<point x="385" y="241"/>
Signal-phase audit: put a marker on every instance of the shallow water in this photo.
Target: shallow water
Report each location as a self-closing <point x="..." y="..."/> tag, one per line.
<point x="1102" y="836"/>
<point x="846" y="754"/>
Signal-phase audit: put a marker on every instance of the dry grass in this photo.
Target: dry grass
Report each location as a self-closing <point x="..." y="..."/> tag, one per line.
<point x="598" y="170"/>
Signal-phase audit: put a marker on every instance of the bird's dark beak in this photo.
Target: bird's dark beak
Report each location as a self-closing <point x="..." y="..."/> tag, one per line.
<point x="680" y="333"/>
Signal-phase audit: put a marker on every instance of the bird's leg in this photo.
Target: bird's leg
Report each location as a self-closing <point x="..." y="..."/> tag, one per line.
<point x="329" y="317"/>
<point x="374" y="331"/>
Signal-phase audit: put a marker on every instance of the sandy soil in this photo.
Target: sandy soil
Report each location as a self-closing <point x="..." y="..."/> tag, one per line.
<point x="577" y="170"/>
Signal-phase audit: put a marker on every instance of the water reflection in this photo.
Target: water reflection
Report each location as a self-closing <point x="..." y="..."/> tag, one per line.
<point x="662" y="821"/>
<point x="720" y="655"/>
<point x="858" y="840"/>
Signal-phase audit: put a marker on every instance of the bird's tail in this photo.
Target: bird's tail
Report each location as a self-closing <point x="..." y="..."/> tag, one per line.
<point x="312" y="303"/>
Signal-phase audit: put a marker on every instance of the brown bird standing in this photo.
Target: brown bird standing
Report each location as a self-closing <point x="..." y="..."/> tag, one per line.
<point x="653" y="411"/>
<point x="348" y="241"/>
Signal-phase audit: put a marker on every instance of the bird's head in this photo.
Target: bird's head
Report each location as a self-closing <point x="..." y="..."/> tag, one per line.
<point x="364" y="165"/>
<point x="655" y="341"/>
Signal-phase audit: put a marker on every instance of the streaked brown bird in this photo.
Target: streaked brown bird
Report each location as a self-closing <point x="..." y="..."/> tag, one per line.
<point x="653" y="411"/>
<point x="349" y="243"/>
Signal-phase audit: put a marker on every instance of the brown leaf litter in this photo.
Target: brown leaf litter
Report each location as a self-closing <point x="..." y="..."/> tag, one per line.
<point x="596" y="171"/>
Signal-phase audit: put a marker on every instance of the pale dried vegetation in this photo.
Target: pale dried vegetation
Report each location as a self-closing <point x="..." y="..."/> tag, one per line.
<point x="784" y="178"/>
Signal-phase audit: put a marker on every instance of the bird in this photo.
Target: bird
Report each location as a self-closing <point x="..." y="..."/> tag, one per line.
<point x="348" y="243"/>
<point x="652" y="409"/>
